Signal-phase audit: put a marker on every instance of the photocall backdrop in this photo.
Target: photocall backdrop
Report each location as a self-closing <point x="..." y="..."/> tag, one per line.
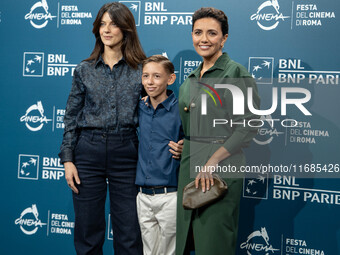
<point x="291" y="49"/>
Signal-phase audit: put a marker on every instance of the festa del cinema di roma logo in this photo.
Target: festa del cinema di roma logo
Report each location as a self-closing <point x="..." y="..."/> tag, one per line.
<point x="258" y="243"/>
<point x="39" y="15"/>
<point x="28" y="221"/>
<point x="265" y="18"/>
<point x="34" y="117"/>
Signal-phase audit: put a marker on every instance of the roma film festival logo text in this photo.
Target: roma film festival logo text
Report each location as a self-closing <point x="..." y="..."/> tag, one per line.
<point x="310" y="15"/>
<point x="39" y="16"/>
<point x="188" y="67"/>
<point x="35" y="118"/>
<point x="258" y="241"/>
<point x="298" y="246"/>
<point x="57" y="223"/>
<point x="70" y="15"/>
<point x="28" y="221"/>
<point x="60" y="224"/>
<point x="268" y="15"/>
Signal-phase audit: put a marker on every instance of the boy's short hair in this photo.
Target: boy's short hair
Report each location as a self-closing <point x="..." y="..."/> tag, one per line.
<point x="165" y="62"/>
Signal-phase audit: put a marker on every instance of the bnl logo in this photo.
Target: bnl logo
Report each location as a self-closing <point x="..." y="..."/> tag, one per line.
<point x="134" y="7"/>
<point x="255" y="186"/>
<point x="28" y="167"/>
<point x="261" y="69"/>
<point x="33" y="64"/>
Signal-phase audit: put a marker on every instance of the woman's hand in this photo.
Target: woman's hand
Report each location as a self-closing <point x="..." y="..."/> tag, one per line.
<point x="205" y="174"/>
<point x="176" y="148"/>
<point x="71" y="175"/>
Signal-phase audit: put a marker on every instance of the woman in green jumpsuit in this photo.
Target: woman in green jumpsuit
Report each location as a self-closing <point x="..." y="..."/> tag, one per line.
<point x="215" y="133"/>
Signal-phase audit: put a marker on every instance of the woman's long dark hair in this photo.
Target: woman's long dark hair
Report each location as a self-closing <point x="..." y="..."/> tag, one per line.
<point x="131" y="48"/>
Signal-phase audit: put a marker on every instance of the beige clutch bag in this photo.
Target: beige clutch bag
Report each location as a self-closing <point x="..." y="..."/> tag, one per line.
<point x="194" y="198"/>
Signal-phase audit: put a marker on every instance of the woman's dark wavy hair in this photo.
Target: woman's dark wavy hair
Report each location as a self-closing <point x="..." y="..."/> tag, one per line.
<point x="211" y="12"/>
<point x="131" y="48"/>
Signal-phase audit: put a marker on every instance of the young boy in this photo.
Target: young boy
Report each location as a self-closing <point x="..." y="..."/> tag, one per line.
<point x="157" y="168"/>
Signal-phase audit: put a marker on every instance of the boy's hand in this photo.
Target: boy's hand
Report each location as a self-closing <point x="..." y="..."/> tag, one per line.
<point x="145" y="99"/>
<point x="176" y="148"/>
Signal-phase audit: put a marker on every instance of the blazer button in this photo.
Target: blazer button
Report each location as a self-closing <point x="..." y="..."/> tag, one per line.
<point x="186" y="109"/>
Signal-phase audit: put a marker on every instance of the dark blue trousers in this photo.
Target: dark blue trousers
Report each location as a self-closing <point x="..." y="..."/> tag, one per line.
<point x="101" y="156"/>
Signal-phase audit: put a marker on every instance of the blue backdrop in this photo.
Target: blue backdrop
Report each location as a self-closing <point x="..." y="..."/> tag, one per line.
<point x="284" y="44"/>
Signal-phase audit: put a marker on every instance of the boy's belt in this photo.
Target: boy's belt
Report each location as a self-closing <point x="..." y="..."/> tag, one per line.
<point x="157" y="190"/>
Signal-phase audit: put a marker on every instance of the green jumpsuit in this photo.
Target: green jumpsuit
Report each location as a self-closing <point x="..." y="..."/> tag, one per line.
<point x="214" y="226"/>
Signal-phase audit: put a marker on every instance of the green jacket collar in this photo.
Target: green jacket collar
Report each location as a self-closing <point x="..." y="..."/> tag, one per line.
<point x="219" y="64"/>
